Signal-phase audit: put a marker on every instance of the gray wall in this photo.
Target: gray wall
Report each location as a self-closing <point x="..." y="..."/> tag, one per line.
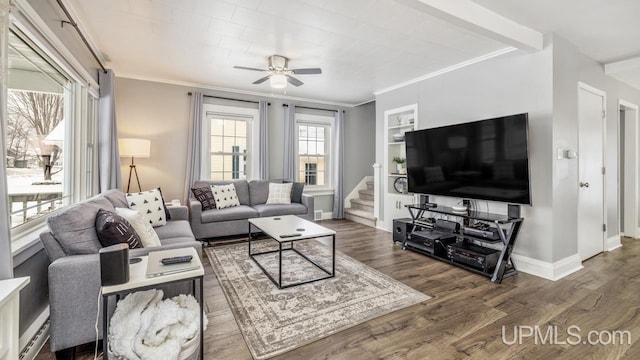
<point x="513" y="83"/>
<point x="570" y="66"/>
<point x="160" y="113"/>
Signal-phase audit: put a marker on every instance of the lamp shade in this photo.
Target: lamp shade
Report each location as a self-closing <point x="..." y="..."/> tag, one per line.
<point x="139" y="148"/>
<point x="278" y="81"/>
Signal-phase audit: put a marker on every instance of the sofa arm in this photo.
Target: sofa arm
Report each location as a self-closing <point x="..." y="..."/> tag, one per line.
<point x="307" y="200"/>
<point x="195" y="210"/>
<point x="74" y="285"/>
<point x="178" y="212"/>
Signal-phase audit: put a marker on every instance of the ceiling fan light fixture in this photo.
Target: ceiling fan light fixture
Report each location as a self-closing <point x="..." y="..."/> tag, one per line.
<point x="278" y="81"/>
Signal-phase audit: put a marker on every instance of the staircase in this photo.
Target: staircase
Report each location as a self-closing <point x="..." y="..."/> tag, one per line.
<point x="361" y="209"/>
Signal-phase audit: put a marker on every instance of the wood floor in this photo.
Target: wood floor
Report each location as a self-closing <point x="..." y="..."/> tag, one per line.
<point x="465" y="317"/>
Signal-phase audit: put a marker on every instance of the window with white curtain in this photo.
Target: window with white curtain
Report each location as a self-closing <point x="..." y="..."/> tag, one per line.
<point x="229" y="143"/>
<point x="313" y="154"/>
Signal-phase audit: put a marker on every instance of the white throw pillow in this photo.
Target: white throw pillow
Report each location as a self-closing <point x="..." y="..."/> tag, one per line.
<point x="279" y="193"/>
<point x="150" y="205"/>
<point x="225" y="196"/>
<point x="148" y="236"/>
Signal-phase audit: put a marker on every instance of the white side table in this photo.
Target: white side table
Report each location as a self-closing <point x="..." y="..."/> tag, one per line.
<point x="138" y="280"/>
<point x="10" y="316"/>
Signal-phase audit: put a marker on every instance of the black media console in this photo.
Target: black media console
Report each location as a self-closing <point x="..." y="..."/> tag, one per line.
<point x="462" y="246"/>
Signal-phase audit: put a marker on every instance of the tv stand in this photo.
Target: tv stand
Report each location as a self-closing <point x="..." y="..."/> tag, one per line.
<point x="467" y="248"/>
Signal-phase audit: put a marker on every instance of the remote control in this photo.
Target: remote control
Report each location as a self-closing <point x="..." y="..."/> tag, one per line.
<point x="290" y="235"/>
<point x="176" y="260"/>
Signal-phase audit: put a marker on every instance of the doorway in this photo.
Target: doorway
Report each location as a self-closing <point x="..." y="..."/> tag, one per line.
<point x="591" y="181"/>
<point x="629" y="213"/>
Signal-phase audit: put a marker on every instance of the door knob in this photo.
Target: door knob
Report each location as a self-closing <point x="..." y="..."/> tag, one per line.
<point x="584" y="184"/>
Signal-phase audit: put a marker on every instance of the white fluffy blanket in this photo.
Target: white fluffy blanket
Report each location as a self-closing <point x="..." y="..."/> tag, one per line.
<point x="146" y="327"/>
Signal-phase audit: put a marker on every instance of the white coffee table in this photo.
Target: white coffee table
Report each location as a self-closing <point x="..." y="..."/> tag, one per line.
<point x="277" y="226"/>
<point x="138" y="280"/>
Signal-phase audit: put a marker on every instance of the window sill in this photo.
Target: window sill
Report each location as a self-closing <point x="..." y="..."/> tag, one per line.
<point x="319" y="192"/>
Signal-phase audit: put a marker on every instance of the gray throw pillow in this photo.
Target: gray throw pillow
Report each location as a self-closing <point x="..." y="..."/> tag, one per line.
<point x="296" y="192"/>
<point x="75" y="227"/>
<point x="113" y="229"/>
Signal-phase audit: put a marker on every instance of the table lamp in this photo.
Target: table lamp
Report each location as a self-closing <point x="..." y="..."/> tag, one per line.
<point x="134" y="148"/>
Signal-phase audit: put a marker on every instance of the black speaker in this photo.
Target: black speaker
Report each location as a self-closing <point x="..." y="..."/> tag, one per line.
<point x="424" y="199"/>
<point x="513" y="211"/>
<point x="114" y="264"/>
<point x="400" y="229"/>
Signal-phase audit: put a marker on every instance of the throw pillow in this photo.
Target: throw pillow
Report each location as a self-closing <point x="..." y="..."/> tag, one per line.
<point x="225" y="196"/>
<point x="205" y="196"/>
<point x="279" y="193"/>
<point x="166" y="210"/>
<point x="142" y="227"/>
<point x="114" y="229"/>
<point x="296" y="192"/>
<point x="150" y="205"/>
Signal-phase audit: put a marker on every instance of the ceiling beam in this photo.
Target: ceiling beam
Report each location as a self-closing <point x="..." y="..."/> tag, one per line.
<point x="622" y="65"/>
<point x="476" y="18"/>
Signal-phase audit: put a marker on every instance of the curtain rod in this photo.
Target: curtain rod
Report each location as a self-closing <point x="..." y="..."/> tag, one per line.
<point x="313" y="108"/>
<point x="75" y="26"/>
<point x="226" y="98"/>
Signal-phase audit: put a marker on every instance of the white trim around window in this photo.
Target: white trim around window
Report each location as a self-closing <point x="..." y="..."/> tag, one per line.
<point x="252" y="118"/>
<point x="326" y="122"/>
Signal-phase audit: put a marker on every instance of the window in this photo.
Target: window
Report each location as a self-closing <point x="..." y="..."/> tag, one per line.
<point x="313" y="140"/>
<point x="38" y="102"/>
<point x="229" y="143"/>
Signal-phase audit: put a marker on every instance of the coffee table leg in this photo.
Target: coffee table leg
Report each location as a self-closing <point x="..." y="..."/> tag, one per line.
<point x="105" y="327"/>
<point x="201" y="318"/>
<point x="280" y="265"/>
<point x="249" y="239"/>
<point x="333" y="255"/>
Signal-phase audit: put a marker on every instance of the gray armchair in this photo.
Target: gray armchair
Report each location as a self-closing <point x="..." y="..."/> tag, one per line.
<point x="74" y="280"/>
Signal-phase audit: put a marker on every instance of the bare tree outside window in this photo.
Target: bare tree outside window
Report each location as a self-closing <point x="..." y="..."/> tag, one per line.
<point x="32" y="117"/>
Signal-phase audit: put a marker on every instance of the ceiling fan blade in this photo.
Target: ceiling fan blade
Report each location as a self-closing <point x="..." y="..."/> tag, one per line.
<point x="308" y="71"/>
<point x="293" y="81"/>
<point x="248" y="68"/>
<point x="260" y="81"/>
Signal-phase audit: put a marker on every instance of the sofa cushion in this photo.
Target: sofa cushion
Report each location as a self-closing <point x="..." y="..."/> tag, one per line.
<point x="259" y="190"/>
<point x="174" y="229"/>
<point x="116" y="197"/>
<point x="280" y="209"/>
<point x="242" y="188"/>
<point x="150" y="204"/>
<point x="148" y="236"/>
<point x="75" y="227"/>
<point x="279" y="194"/>
<point x="232" y="213"/>
<point x="113" y="229"/>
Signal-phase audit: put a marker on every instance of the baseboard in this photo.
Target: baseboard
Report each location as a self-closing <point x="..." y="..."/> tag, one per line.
<point x="552" y="271"/>
<point x="613" y="243"/>
<point x="327" y="215"/>
<point x="34" y="338"/>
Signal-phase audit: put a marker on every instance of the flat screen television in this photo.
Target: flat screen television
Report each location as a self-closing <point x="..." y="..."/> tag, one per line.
<point x="485" y="160"/>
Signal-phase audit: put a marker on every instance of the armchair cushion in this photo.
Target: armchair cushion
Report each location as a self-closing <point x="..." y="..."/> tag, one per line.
<point x="75" y="229"/>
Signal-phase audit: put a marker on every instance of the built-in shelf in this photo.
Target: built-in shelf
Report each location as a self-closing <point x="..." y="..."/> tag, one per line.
<point x="403" y="126"/>
<point x="398" y="175"/>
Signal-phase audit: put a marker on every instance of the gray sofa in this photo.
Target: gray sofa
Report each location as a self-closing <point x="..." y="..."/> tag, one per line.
<point x="252" y="196"/>
<point x="74" y="280"/>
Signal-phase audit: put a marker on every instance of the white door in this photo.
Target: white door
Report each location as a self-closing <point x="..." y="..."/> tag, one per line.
<point x="591" y="222"/>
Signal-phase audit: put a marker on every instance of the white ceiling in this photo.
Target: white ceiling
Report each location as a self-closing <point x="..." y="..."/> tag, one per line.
<point x="361" y="45"/>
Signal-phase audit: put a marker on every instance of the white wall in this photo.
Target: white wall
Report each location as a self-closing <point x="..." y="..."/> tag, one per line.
<point x="513" y="83"/>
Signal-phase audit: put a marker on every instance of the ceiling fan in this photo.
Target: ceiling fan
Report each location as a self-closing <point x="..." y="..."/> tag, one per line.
<point x="279" y="72"/>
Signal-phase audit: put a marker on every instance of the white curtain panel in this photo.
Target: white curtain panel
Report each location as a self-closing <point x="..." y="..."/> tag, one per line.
<point x="338" y="173"/>
<point x="263" y="156"/>
<point x="108" y="154"/>
<point x="288" y="167"/>
<point x="194" y="151"/>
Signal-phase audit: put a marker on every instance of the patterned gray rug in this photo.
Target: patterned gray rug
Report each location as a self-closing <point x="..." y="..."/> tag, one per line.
<point x="275" y="321"/>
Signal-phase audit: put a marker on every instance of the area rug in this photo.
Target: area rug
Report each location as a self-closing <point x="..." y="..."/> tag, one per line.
<point x="275" y="321"/>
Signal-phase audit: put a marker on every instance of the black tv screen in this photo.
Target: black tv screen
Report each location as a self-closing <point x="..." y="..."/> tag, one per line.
<point x="486" y="160"/>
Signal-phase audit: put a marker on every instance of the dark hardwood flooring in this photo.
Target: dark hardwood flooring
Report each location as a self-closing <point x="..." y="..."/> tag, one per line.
<point x="465" y="316"/>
